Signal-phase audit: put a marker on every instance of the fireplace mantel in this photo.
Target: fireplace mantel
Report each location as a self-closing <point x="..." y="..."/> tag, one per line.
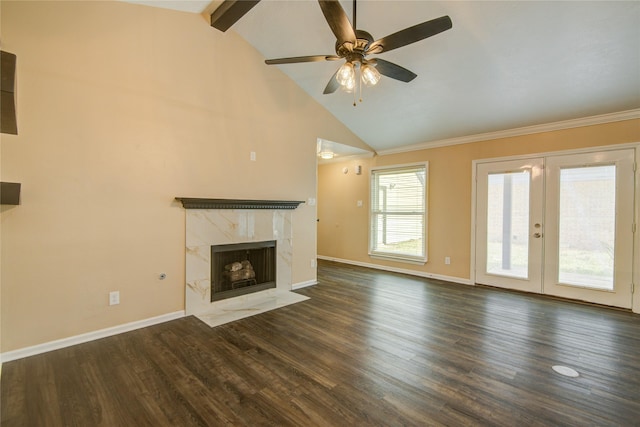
<point x="216" y="222"/>
<point x="198" y="203"/>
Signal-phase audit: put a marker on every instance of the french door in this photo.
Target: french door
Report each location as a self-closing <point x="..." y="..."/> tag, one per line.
<point x="509" y="196"/>
<point x="559" y="225"/>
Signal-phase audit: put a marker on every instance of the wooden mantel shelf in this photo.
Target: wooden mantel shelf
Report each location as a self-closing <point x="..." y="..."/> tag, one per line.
<point x="197" y="203"/>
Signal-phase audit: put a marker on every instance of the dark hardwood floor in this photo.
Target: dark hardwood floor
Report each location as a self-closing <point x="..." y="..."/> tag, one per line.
<point x="368" y="348"/>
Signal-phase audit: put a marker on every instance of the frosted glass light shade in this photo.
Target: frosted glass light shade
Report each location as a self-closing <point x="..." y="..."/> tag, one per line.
<point x="349" y="85"/>
<point x="346" y="73"/>
<point x="370" y="76"/>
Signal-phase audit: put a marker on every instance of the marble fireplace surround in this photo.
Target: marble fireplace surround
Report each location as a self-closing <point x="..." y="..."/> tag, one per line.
<point x="226" y="221"/>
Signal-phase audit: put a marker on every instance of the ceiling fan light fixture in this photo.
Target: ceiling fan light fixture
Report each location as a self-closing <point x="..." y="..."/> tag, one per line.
<point x="346" y="74"/>
<point x="354" y="45"/>
<point x="370" y="76"/>
<point x="349" y="85"/>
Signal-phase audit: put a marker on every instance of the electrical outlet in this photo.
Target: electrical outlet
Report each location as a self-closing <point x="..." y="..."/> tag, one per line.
<point x="447" y="260"/>
<point x="114" y="298"/>
<point x="252" y="156"/>
<point x="313" y="263"/>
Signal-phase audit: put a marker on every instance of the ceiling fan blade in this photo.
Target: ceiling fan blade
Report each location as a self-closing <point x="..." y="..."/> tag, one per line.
<point x="392" y="70"/>
<point x="333" y="84"/>
<point x="338" y="21"/>
<point x="410" y="35"/>
<point x="297" y="59"/>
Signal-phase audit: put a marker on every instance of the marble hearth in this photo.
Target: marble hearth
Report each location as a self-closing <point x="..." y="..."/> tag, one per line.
<point x="219" y="222"/>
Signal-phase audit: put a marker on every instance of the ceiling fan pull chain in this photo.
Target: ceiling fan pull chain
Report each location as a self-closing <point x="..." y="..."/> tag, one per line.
<point x="355" y="85"/>
<point x="360" y="80"/>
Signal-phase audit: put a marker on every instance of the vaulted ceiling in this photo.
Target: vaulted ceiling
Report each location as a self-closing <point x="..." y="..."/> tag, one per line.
<point x="503" y="65"/>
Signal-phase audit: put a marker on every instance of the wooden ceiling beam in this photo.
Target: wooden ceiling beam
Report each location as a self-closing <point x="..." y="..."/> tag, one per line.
<point x="229" y="12"/>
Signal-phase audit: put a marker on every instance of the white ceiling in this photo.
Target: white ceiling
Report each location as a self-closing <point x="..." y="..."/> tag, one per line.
<point x="503" y="65"/>
<point x="194" y="6"/>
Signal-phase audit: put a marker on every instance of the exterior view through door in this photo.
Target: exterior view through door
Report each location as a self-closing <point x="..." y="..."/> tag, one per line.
<point x="559" y="225"/>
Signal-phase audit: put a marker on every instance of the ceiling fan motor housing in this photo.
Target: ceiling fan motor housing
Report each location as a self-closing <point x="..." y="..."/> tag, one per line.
<point x="355" y="52"/>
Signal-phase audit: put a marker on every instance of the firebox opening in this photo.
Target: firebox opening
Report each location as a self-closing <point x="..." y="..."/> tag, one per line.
<point x="242" y="268"/>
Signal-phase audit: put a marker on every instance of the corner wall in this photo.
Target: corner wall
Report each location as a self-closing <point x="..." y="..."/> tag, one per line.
<point x="343" y="227"/>
<point x="121" y="108"/>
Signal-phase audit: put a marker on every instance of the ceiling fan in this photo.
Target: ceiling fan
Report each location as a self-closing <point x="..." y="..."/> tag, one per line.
<point x="355" y="45"/>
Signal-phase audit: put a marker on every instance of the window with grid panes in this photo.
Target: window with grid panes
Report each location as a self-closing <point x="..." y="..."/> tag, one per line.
<point x="398" y="216"/>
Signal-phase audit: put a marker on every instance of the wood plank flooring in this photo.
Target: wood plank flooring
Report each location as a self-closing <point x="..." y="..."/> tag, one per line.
<point x="369" y="348"/>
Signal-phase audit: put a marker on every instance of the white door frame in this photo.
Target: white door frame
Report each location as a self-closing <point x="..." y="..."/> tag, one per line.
<point x="636" y="239"/>
<point x="532" y="281"/>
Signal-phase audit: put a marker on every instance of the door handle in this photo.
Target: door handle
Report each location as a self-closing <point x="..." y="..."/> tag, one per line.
<point x="537" y="235"/>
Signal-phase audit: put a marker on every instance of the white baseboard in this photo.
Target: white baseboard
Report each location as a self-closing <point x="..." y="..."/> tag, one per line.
<point x="303" y="284"/>
<point x="89" y="336"/>
<point x="400" y="270"/>
<point x="102" y="333"/>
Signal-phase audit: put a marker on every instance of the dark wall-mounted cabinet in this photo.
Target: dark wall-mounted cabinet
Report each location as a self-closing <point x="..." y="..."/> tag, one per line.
<point x="8" y="122"/>
<point x="9" y="193"/>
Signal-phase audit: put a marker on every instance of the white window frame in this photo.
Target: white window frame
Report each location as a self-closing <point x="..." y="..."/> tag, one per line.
<point x="372" y="195"/>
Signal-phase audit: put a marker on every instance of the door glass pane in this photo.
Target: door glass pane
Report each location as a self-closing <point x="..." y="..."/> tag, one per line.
<point x="508" y="224"/>
<point x="587" y="226"/>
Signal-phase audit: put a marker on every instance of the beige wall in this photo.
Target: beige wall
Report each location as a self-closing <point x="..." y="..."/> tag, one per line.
<point x="343" y="227"/>
<point x="120" y="109"/>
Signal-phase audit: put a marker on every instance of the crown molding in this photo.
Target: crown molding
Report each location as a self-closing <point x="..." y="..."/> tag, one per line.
<point x="527" y="130"/>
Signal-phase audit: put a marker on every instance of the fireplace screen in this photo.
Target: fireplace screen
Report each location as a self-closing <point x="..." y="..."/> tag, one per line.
<point x="242" y="268"/>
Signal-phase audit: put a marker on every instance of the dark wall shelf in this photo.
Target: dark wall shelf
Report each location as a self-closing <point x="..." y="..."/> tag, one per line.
<point x="197" y="203"/>
<point x="8" y="122"/>
<point x="10" y="193"/>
